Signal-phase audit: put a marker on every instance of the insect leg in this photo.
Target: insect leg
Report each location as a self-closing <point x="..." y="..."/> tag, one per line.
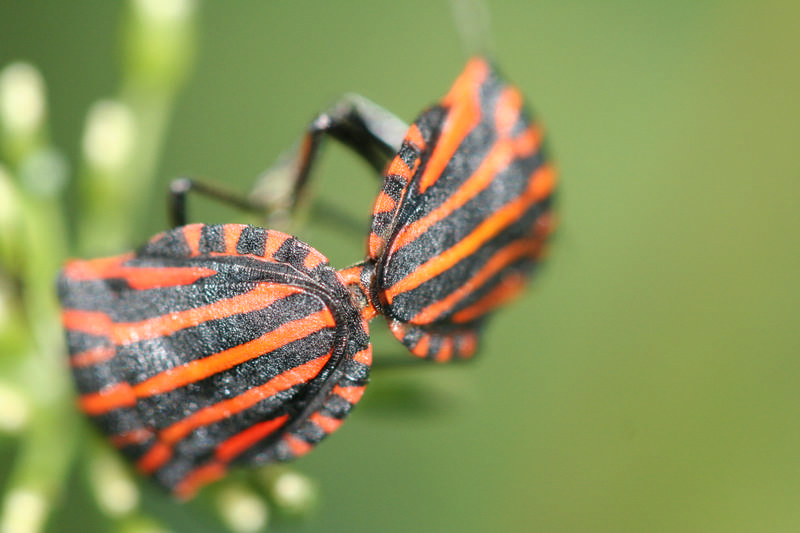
<point x="181" y="187"/>
<point x="371" y="131"/>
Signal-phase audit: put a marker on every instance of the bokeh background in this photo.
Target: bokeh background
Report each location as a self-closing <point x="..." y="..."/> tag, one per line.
<point x="648" y="381"/>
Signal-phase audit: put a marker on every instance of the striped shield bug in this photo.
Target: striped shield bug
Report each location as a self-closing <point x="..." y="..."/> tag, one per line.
<point x="463" y="215"/>
<point x="213" y="345"/>
<point x="230" y="344"/>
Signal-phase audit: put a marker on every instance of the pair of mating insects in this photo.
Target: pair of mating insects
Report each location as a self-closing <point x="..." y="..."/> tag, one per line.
<point x="233" y="344"/>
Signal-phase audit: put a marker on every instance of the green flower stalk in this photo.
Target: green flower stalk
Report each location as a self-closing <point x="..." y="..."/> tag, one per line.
<point x="124" y="135"/>
<point x="120" y="147"/>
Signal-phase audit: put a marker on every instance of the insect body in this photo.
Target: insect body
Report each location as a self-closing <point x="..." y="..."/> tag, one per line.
<point x="231" y="344"/>
<point x="214" y="345"/>
<point x="462" y="218"/>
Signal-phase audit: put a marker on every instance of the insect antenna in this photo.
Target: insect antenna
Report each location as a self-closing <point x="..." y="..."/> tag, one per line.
<point x="473" y="23"/>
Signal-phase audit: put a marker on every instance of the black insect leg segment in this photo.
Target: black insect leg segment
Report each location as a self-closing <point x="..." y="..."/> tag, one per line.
<point x="371" y="131"/>
<point x="180" y="188"/>
<point x="265" y="207"/>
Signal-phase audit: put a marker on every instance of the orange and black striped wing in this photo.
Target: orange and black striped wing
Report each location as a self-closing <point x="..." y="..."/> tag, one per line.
<point x="463" y="216"/>
<point x="212" y="346"/>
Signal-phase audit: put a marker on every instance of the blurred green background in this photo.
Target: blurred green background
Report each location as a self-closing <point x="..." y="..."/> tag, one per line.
<point x="649" y="379"/>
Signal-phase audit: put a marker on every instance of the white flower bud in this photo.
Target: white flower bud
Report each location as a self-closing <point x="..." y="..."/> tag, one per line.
<point x="109" y="136"/>
<point x="242" y="510"/>
<point x="115" y="491"/>
<point x="165" y="11"/>
<point x="22" y="99"/>
<point x="15" y="414"/>
<point x="24" y="511"/>
<point x="293" y="492"/>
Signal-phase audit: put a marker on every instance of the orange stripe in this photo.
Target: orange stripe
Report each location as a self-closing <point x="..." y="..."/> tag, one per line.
<point x="297" y="446"/>
<point x="92" y="356"/>
<point x="445" y="353"/>
<point x="198" y="477"/>
<point x="327" y="423"/>
<point x="507" y="111"/>
<point x="414" y="137"/>
<point x="192" y="234"/>
<point x="214" y="364"/>
<point x="135" y="436"/>
<point x="246" y="439"/>
<point x="351" y="394"/>
<point x="398" y="328"/>
<point x="423" y="346"/>
<point x="369" y="312"/>
<point x="545" y="224"/>
<point x="155" y="277"/>
<point x="91" y="322"/>
<point x="156" y="457"/>
<point x="227" y="408"/>
<point x="260" y="297"/>
<point x="495" y="264"/>
<point x="139" y="278"/>
<point x="313" y="259"/>
<point x="112" y="397"/>
<point x="274" y="240"/>
<point x="352" y="275"/>
<point x="467" y="344"/>
<point x="528" y="141"/>
<point x="538" y="187"/>
<point x="399" y="168"/>
<point x="376" y="245"/>
<point x="510" y="286"/>
<point x="233" y="232"/>
<point x="542" y="182"/>
<point x="463" y="115"/>
<point x="80" y="270"/>
<point x="384" y="204"/>
<point x="364" y="356"/>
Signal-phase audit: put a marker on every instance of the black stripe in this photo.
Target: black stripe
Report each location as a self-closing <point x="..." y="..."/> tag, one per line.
<point x="79" y="341"/>
<point x="252" y="241"/>
<point x="393" y="186"/>
<point x="119" y="421"/>
<point x="408" y="154"/>
<point x="336" y="407"/>
<point x="170" y="244"/>
<point x="292" y="251"/>
<point x="310" y="432"/>
<point x="212" y="239"/>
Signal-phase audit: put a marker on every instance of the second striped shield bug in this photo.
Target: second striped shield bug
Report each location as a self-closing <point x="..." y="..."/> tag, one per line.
<point x="463" y="216"/>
